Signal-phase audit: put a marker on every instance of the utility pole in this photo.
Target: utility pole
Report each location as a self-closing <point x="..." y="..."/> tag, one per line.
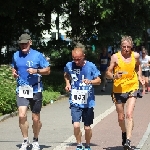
<point x="57" y="24"/>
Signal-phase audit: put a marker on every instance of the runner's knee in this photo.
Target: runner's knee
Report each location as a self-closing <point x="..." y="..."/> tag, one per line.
<point x="76" y="125"/>
<point x="35" y="118"/>
<point x="129" y="115"/>
<point x="22" y="117"/>
<point x="87" y="128"/>
<point x="121" y="118"/>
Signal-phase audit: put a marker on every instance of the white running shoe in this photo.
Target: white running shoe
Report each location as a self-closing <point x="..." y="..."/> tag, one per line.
<point x="25" y="145"/>
<point x="35" y="146"/>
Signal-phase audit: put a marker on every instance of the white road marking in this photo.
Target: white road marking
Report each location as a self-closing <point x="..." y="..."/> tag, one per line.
<point x="144" y="138"/>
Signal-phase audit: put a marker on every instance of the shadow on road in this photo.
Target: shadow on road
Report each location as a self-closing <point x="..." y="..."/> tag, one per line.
<point x="117" y="148"/>
<point x="29" y="148"/>
<point x="75" y="144"/>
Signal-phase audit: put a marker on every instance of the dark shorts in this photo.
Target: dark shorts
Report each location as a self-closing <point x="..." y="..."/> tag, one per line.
<point x="119" y="98"/>
<point x="145" y="73"/>
<point x="35" y="102"/>
<point x="87" y="115"/>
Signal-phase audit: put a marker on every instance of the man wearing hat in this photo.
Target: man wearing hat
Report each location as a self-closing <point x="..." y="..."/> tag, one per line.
<point x="28" y="66"/>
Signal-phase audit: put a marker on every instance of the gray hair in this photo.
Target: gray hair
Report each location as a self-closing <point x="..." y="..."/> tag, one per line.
<point x="79" y="45"/>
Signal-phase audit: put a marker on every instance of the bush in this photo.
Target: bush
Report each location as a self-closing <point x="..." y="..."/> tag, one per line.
<point x="53" y="87"/>
<point x="7" y="90"/>
<point x="55" y="81"/>
<point x="48" y="96"/>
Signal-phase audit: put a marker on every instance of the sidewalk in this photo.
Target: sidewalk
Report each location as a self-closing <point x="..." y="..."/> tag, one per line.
<point x="57" y="131"/>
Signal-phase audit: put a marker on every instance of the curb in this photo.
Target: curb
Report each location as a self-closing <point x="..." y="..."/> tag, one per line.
<point x="62" y="96"/>
<point x="13" y="114"/>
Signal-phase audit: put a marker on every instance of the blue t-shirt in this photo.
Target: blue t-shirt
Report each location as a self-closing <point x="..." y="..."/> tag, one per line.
<point x="104" y="62"/>
<point x="88" y="71"/>
<point x="21" y="62"/>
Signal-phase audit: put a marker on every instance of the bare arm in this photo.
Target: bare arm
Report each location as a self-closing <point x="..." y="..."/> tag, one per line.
<point x="13" y="70"/>
<point x="43" y="71"/>
<point x="109" y="73"/>
<point x="148" y="61"/>
<point x="14" y="73"/>
<point x="95" y="81"/>
<point x="138" y="68"/>
<point x="67" y="80"/>
<point x="138" y="65"/>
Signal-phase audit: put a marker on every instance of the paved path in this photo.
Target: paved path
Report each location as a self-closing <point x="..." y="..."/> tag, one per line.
<point x="56" y="132"/>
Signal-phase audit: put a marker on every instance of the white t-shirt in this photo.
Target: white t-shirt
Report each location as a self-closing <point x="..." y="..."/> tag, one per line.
<point x="145" y="61"/>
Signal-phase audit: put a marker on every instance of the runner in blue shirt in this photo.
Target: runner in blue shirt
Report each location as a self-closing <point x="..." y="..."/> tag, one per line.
<point x="28" y="66"/>
<point x="80" y="76"/>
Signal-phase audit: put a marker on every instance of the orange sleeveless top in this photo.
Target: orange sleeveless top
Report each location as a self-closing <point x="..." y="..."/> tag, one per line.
<point x="129" y="81"/>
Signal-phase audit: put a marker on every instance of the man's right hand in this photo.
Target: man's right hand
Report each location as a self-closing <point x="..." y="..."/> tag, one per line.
<point x="68" y="88"/>
<point x="14" y="73"/>
<point x="118" y="75"/>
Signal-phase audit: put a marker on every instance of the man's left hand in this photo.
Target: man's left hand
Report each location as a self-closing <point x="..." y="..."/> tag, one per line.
<point x="32" y="71"/>
<point x="142" y="80"/>
<point x="86" y="81"/>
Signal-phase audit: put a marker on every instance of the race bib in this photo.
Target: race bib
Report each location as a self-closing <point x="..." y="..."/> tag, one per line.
<point x="79" y="96"/>
<point x="26" y="91"/>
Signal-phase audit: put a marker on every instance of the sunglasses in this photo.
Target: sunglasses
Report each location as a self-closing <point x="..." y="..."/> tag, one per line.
<point x="126" y="46"/>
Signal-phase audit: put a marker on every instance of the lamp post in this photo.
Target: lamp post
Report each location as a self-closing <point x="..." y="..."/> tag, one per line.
<point x="57" y="25"/>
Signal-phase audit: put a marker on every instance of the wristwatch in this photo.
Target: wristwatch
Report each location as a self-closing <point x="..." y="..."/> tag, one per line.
<point x="38" y="71"/>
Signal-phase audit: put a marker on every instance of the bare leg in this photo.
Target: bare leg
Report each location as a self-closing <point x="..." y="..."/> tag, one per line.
<point x="23" y="124"/>
<point x="146" y="83"/>
<point x="130" y="104"/>
<point x="77" y="132"/>
<point x="36" y="124"/>
<point x="88" y="134"/>
<point x="144" y="88"/>
<point x="121" y="116"/>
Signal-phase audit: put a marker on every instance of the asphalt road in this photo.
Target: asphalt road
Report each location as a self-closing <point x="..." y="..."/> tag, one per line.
<point x="57" y="130"/>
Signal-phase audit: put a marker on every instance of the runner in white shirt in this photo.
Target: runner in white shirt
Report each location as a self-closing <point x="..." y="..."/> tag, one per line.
<point x="145" y="63"/>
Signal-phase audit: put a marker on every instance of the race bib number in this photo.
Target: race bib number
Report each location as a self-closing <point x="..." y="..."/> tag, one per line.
<point x="104" y="61"/>
<point x="26" y="91"/>
<point x="79" y="96"/>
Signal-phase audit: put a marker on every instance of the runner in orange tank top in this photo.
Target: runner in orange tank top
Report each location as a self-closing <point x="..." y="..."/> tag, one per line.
<point x="126" y="72"/>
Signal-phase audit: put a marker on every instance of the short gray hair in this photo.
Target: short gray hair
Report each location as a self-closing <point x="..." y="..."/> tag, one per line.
<point x="79" y="45"/>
